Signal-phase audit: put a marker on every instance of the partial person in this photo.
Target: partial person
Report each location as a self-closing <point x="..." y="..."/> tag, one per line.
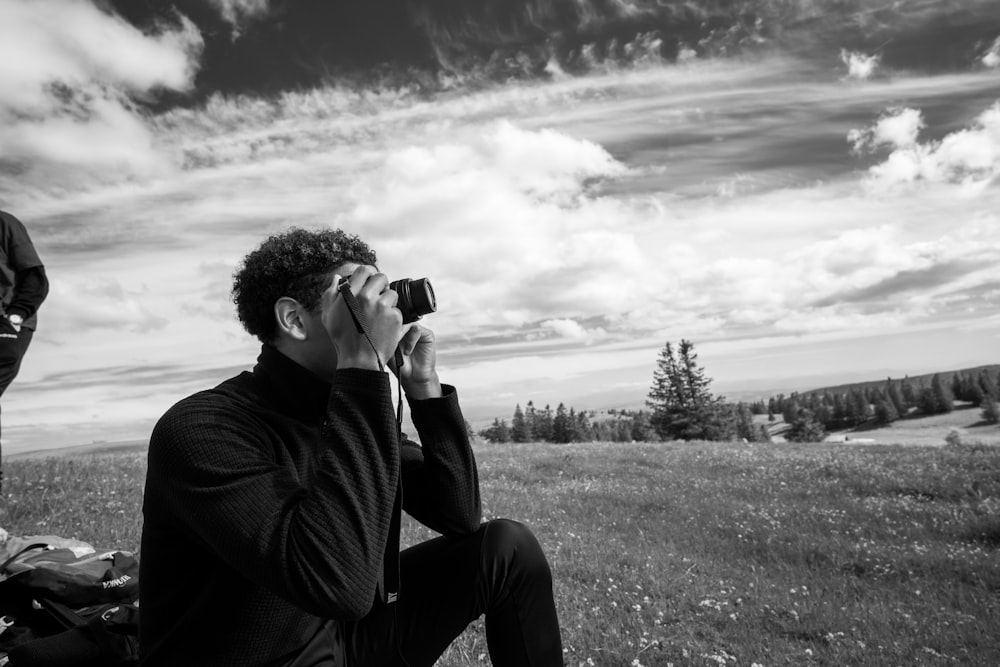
<point x="272" y="501"/>
<point x="23" y="288"/>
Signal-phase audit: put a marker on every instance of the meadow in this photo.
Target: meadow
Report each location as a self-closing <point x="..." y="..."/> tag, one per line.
<point x="690" y="554"/>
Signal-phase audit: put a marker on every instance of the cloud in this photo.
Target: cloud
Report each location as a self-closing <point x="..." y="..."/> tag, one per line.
<point x="573" y="330"/>
<point x="900" y="128"/>
<point x="859" y="65"/>
<point x="970" y="157"/>
<point x="85" y="305"/>
<point x="236" y="12"/>
<point x="69" y="73"/>
<point x="991" y="58"/>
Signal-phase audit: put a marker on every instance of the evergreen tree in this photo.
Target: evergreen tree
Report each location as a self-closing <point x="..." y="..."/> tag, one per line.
<point x="988" y="384"/>
<point x="498" y="432"/>
<point x="683" y="407"/>
<point x="895" y="396"/>
<point x="531" y="420"/>
<point x="519" y="426"/>
<point x="861" y="409"/>
<point x="543" y="425"/>
<point x="990" y="410"/>
<point x="664" y="394"/>
<point x="561" y="429"/>
<point x="582" y="432"/>
<point x="640" y="428"/>
<point x="927" y="401"/>
<point x="974" y="394"/>
<point x="960" y="387"/>
<point x="791" y="409"/>
<point x="744" y="426"/>
<point x="805" y="429"/>
<point x="942" y="395"/>
<point x="908" y="391"/>
<point x="885" y="412"/>
<point x="840" y="412"/>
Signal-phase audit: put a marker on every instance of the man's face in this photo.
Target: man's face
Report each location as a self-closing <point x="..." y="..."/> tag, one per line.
<point x="319" y="353"/>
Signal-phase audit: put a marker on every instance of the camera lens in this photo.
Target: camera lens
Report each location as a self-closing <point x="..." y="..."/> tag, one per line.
<point x="416" y="298"/>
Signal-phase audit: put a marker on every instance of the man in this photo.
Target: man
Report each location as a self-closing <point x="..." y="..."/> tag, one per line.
<point x="23" y="287"/>
<point x="271" y="510"/>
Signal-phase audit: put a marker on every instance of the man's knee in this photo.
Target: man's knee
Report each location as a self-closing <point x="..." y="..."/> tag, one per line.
<point x="514" y="543"/>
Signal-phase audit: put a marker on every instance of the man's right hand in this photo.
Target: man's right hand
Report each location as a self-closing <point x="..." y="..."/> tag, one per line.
<point x="377" y="305"/>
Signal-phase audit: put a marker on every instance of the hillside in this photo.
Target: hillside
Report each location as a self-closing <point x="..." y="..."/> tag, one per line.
<point x="917" y="380"/>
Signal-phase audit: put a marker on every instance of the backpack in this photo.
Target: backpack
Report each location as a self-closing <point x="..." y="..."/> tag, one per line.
<point x="64" y="604"/>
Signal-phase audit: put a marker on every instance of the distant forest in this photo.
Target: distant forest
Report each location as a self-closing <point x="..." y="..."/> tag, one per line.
<point x="682" y="407"/>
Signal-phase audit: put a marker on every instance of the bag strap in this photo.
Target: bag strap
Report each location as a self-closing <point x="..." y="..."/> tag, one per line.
<point x="36" y="545"/>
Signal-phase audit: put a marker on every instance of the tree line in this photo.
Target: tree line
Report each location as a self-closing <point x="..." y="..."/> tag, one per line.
<point x="567" y="425"/>
<point x="681" y="406"/>
<point x="811" y="415"/>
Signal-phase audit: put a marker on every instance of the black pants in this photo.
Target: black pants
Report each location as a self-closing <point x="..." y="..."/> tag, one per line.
<point x="446" y="583"/>
<point x="11" y="352"/>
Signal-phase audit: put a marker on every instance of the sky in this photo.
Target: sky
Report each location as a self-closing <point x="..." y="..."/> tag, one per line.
<point x="804" y="222"/>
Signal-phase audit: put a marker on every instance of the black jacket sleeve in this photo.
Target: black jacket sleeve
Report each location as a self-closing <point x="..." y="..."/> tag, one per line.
<point x="31" y="286"/>
<point x="440" y="479"/>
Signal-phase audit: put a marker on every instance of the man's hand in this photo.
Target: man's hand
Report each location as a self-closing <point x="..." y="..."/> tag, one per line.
<point x="377" y="306"/>
<point x="418" y="374"/>
<point x="10" y="326"/>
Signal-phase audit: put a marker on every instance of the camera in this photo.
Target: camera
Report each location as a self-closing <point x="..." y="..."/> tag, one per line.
<point x="416" y="298"/>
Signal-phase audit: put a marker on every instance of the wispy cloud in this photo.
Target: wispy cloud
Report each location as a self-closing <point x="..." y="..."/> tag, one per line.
<point x="69" y="73"/>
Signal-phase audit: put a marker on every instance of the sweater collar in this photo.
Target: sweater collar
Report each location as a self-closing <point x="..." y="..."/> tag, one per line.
<point x="297" y="390"/>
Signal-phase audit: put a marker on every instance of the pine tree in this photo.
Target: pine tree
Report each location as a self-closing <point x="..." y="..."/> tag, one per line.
<point x="861" y="409"/>
<point x="663" y="394"/>
<point x="960" y="387"/>
<point x="988" y="384"/>
<point x="683" y="407"/>
<point x="791" y="409"/>
<point x="582" y="431"/>
<point x="519" y="426"/>
<point x="744" y="426"/>
<point x="543" y="425"/>
<point x="894" y="394"/>
<point x="560" y="425"/>
<point x="640" y="428"/>
<point x="498" y="432"/>
<point x="885" y="412"/>
<point x="942" y="395"/>
<point x="908" y="391"/>
<point x="990" y="410"/>
<point x="531" y="420"/>
<point x="805" y="429"/>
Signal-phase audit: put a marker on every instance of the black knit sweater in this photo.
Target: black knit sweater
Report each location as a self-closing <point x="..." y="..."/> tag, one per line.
<point x="267" y="510"/>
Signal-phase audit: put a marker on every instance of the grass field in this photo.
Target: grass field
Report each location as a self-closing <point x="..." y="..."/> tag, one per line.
<point x="691" y="554"/>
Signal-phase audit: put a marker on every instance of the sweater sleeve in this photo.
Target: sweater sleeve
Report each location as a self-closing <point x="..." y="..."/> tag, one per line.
<point x="440" y="479"/>
<point x="30" y="289"/>
<point x="318" y="546"/>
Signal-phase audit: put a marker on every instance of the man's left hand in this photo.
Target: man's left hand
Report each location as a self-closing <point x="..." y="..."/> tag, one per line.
<point x="418" y="374"/>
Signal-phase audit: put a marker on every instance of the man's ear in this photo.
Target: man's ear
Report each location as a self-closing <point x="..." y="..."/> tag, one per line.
<point x="288" y="313"/>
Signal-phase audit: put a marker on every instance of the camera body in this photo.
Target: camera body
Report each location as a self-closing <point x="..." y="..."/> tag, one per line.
<point x="416" y="298"/>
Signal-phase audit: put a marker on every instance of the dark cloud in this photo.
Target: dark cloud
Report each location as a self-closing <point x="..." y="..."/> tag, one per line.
<point x="260" y="47"/>
<point x="925" y="279"/>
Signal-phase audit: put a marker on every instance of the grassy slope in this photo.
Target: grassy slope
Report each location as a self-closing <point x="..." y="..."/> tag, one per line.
<point x="916" y="430"/>
<point x="698" y="554"/>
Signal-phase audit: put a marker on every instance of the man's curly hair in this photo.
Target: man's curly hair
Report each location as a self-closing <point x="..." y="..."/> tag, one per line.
<point x="297" y="264"/>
